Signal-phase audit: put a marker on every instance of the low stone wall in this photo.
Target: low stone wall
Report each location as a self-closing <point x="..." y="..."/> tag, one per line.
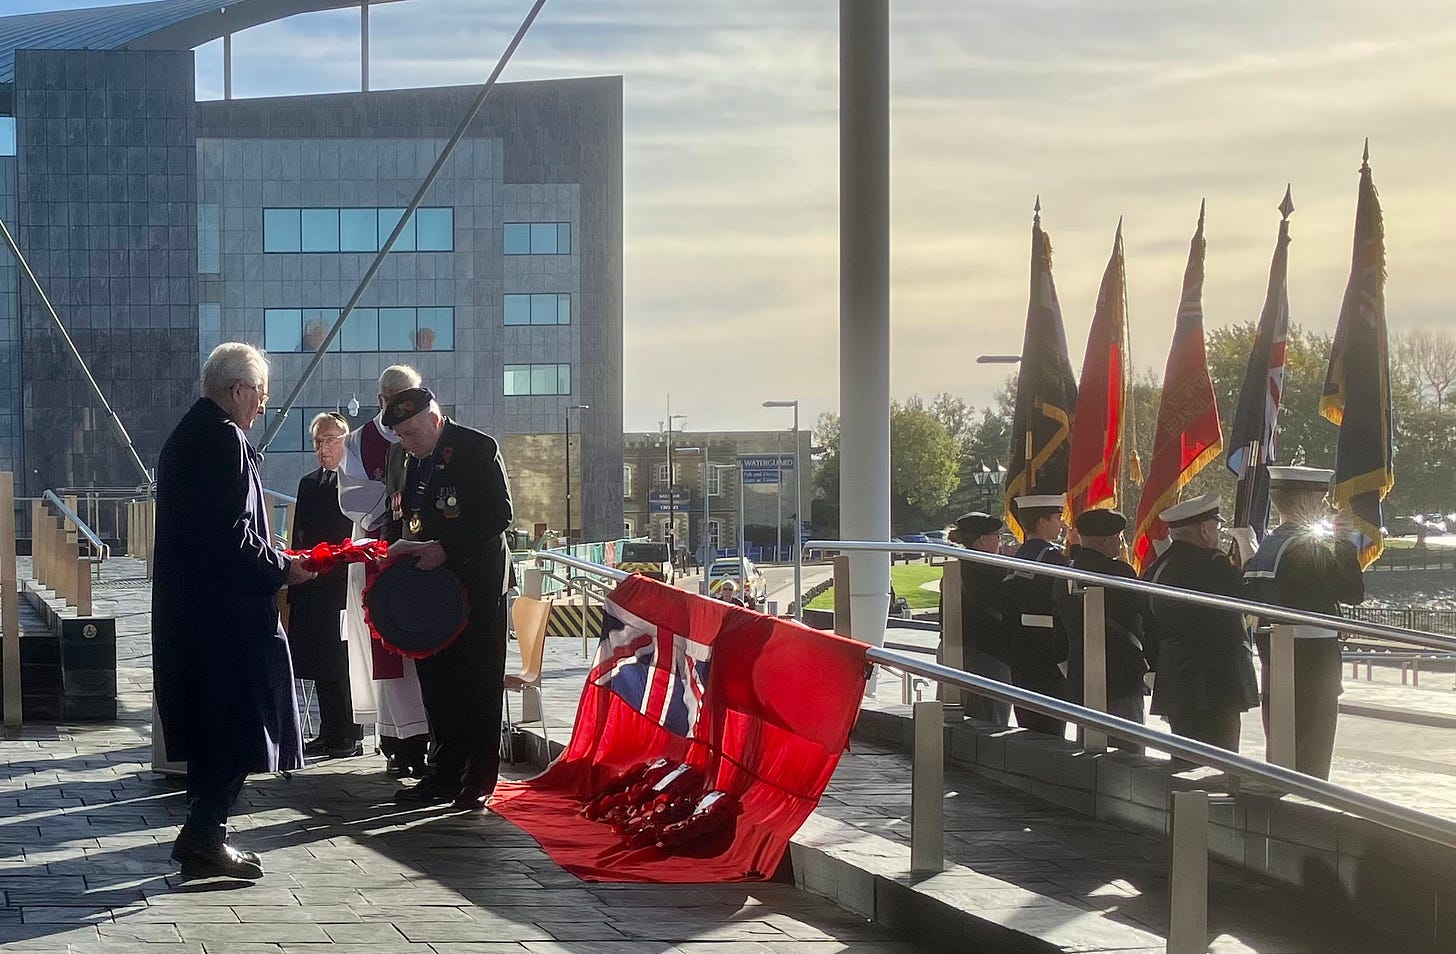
<point x="1404" y="885"/>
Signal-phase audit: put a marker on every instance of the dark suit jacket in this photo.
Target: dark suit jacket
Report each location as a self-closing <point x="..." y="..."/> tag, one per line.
<point x="223" y="679"/>
<point x="468" y="470"/>
<point x="1126" y="662"/>
<point x="314" y="606"/>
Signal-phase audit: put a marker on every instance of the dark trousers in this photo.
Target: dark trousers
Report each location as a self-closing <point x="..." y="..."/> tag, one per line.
<point x="410" y="751"/>
<point x="1046" y="678"/>
<point x="1129" y="707"/>
<point x="1316" y="700"/>
<point x="1218" y="727"/>
<point x="461" y="687"/>
<point x="211" y="792"/>
<point x="336" y="712"/>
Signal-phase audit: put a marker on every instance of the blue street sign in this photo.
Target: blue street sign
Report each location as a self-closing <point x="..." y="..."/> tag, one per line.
<point x="764" y="468"/>
<point x="657" y="501"/>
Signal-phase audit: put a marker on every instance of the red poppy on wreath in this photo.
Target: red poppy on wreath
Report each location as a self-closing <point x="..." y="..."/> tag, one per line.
<point x="445" y="454"/>
<point x="407" y="407"/>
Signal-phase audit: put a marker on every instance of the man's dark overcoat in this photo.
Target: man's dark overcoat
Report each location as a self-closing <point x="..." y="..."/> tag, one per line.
<point x="222" y="674"/>
<point x="1126" y="660"/>
<point x="314" y="606"/>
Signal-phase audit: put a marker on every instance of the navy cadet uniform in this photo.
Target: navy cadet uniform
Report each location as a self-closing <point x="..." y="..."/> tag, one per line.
<point x="458" y="497"/>
<point x="1205" y="666"/>
<point x="1038" y="643"/>
<point x="1126" y="661"/>
<point x="1306" y="568"/>
<point x="983" y="621"/>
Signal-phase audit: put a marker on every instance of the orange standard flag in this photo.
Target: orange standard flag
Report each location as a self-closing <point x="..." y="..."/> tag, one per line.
<point x="1187" y="436"/>
<point x="1096" y="456"/>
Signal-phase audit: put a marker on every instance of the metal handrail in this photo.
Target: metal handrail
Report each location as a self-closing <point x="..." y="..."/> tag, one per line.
<point x="102" y="550"/>
<point x="279" y="496"/>
<point x="1389" y="814"/>
<point x="1281" y="613"/>
<point x="594" y="568"/>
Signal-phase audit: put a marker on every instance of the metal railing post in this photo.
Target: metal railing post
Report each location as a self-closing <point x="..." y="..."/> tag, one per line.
<point x="927" y="789"/>
<point x="1188" y="875"/>
<point x="9" y="603"/>
<point x="1094" y="661"/>
<point x="1282" y="729"/>
<point x="149" y="533"/>
<point x="37" y="539"/>
<point x="952" y="627"/>
<point x="842" y="622"/>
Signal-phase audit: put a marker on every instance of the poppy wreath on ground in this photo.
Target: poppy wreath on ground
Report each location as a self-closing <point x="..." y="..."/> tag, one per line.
<point x="324" y="557"/>
<point x="661" y="804"/>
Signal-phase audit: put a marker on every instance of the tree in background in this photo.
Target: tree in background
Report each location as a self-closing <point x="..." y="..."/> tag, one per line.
<point x="924" y="465"/>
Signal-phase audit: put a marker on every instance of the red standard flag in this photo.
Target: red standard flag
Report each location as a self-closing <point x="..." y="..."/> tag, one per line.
<point x="760" y="707"/>
<point x="1096" y="455"/>
<point x="1187" y="436"/>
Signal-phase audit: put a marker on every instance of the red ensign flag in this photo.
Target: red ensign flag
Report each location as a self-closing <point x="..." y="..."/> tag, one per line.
<point x="1096" y="456"/>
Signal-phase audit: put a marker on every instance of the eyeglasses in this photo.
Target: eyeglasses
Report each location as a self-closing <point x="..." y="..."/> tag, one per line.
<point x="326" y="441"/>
<point x="262" y="395"/>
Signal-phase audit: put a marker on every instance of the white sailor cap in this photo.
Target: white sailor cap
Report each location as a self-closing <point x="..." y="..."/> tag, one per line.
<point x="1194" y="510"/>
<point x="1040" y="502"/>
<point x="1306" y="478"/>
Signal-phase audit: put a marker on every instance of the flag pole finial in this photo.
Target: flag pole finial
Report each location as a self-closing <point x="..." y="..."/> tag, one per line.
<point x="1287" y="205"/>
<point x="1365" y="159"/>
<point x="1202" y="206"/>
<point x="1119" y="226"/>
<point x="1036" y="211"/>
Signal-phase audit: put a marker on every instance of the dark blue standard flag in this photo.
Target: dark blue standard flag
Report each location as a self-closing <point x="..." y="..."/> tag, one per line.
<point x="1253" y="442"/>
<point x="1046" y="391"/>
<point x="1357" y="385"/>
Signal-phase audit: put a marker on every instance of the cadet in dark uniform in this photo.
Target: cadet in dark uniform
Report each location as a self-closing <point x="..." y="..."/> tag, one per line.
<point x="1303" y="565"/>
<point x="983" y="608"/>
<point x="449" y="503"/>
<point x="1038" y="643"/>
<point x="1100" y="550"/>
<point x="1205" y="665"/>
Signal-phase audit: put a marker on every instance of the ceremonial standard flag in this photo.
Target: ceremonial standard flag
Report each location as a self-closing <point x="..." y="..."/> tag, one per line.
<point x="1357" y="385"/>
<point x="1253" y="442"/>
<point x="1046" y="392"/>
<point x="1095" y="457"/>
<point x="762" y="706"/>
<point x="1187" y="436"/>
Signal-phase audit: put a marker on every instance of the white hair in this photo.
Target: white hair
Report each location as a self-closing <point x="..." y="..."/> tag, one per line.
<point x="397" y="378"/>
<point x="230" y="363"/>
<point x="328" y="417"/>
<point x="1188" y="533"/>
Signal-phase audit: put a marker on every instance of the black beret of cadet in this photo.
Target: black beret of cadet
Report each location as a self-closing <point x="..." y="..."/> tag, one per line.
<point x="406" y="404"/>
<point x="978" y="524"/>
<point x="1101" y="523"/>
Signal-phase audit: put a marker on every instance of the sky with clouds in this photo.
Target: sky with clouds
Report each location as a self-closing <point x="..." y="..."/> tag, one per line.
<point x="1128" y="108"/>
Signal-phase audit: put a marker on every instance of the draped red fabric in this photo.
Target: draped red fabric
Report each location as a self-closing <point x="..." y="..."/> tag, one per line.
<point x="1095" y="460"/>
<point x="763" y="706"/>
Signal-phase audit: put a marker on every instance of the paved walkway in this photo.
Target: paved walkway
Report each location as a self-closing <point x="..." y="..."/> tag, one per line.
<point x="88" y="828"/>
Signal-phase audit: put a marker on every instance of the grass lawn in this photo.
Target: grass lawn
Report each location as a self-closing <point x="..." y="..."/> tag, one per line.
<point x="906" y="579"/>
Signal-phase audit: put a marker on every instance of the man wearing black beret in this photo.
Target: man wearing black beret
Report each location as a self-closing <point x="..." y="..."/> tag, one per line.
<point x="1101" y="552"/>
<point x="984" y="638"/>
<point x="450" y="504"/>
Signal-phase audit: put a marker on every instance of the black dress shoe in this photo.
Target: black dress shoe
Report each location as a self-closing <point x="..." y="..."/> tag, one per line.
<point x="395" y="768"/>
<point x="318" y="746"/>
<point x="471" y="799"/>
<point x="345" y="750"/>
<point x="426" y="792"/>
<point x="216" y="861"/>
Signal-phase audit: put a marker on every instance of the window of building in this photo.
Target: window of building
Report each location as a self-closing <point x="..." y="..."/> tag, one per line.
<point x="715" y="533"/>
<point x="715" y="481"/>
<point x="7" y="135"/>
<point x="320" y="230"/>
<point x="281" y="230"/>
<point x="551" y="308"/>
<point x="368" y="329"/>
<point x="209" y="239"/>
<point x="356" y="230"/>
<point x="536" y="379"/>
<point x="538" y="238"/>
<point x="626" y="480"/>
<point x="662" y="475"/>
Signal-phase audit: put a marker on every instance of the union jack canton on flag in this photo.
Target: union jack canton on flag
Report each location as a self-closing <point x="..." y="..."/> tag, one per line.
<point x="661" y="674"/>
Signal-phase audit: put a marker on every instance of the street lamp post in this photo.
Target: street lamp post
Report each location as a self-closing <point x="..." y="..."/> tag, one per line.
<point x="671" y="534"/>
<point x="798" y="507"/>
<point x="569" y="409"/>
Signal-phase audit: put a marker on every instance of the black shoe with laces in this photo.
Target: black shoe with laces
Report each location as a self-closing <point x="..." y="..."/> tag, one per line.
<point x="428" y="791"/>
<point x="345" y="750"/>
<point x="220" y="860"/>
<point x="318" y="746"/>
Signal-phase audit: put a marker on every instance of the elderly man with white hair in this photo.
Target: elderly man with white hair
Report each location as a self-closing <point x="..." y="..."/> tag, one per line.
<point x="223" y="678"/>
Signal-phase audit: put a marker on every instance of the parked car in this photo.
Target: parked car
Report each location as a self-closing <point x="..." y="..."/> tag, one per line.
<point x="913" y="538"/>
<point x="1404" y="527"/>
<point x="649" y="559"/>
<point x="737" y="568"/>
<point x="936" y="536"/>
